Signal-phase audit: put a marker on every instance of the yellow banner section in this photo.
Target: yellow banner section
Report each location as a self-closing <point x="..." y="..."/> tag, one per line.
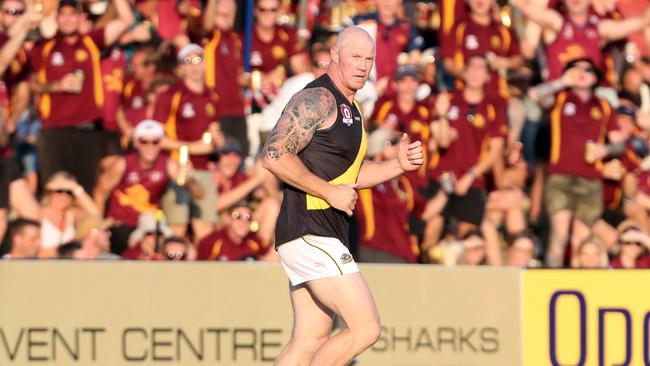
<point x="123" y="313"/>
<point x="595" y="317"/>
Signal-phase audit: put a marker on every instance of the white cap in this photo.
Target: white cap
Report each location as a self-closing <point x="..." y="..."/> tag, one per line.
<point x="187" y="49"/>
<point x="149" y="128"/>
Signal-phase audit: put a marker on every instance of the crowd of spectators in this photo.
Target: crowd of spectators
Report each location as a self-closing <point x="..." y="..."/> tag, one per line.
<point x="131" y="129"/>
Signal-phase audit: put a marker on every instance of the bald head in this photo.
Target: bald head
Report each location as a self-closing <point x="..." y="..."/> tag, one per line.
<point x="355" y="36"/>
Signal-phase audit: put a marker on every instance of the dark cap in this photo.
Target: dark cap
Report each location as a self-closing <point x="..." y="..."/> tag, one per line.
<point x="403" y="71"/>
<point x="73" y="3"/>
<point x="231" y="145"/>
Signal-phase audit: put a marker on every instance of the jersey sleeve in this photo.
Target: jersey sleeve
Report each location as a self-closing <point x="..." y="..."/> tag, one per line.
<point x="163" y="107"/>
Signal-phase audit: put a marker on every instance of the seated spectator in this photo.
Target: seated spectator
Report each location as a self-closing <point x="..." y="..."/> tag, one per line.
<point x="24" y="239"/>
<point x="64" y="203"/>
<point x="176" y="248"/>
<point x="382" y="211"/>
<point x="633" y="244"/>
<point x="521" y="251"/>
<point x="590" y="254"/>
<point x="69" y="250"/>
<point x="474" y="249"/>
<point x="145" y="242"/>
<point x="234" y="241"/>
<point x="94" y="236"/>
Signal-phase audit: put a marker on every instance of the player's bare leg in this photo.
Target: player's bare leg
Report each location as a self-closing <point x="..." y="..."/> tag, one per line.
<point x="312" y="322"/>
<point x="350" y="298"/>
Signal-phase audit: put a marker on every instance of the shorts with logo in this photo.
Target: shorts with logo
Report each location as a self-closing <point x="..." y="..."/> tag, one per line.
<point x="311" y="257"/>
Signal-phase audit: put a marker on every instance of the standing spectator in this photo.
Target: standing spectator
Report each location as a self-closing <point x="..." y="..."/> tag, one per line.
<point x="94" y="237"/>
<point x="224" y="67"/>
<point x="470" y="133"/>
<point x="480" y="34"/>
<point x="133" y="105"/>
<point x="580" y="124"/>
<point x="634" y="244"/>
<point x="71" y="94"/>
<point x="382" y="211"/>
<point x="393" y="36"/>
<point x="190" y="112"/>
<point x="234" y="241"/>
<point x="64" y="203"/>
<point x="135" y="183"/>
<point x="24" y="239"/>
<point x="577" y="34"/>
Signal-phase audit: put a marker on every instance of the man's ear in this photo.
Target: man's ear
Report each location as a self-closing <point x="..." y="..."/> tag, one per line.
<point x="334" y="52"/>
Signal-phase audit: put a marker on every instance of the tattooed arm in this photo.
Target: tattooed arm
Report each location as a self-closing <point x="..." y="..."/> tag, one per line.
<point x="308" y="111"/>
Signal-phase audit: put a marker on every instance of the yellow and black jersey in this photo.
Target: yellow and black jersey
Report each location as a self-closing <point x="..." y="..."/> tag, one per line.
<point x="334" y="154"/>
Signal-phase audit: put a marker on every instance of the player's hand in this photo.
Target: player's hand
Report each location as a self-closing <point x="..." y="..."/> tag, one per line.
<point x="343" y="197"/>
<point x="70" y="83"/>
<point x="410" y="156"/>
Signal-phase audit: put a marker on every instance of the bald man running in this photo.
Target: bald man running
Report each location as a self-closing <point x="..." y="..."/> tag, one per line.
<point x="317" y="148"/>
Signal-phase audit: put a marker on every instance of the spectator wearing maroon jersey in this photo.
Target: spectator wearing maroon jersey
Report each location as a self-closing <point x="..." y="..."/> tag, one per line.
<point x="146" y="241"/>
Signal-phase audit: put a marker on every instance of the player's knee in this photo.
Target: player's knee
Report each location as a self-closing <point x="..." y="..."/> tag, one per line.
<point x="369" y="334"/>
<point x="308" y="344"/>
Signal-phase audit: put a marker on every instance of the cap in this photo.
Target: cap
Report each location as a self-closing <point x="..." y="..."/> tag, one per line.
<point x="90" y="223"/>
<point x="403" y="71"/>
<point x="73" y="3"/>
<point x="231" y="145"/>
<point x="149" y="128"/>
<point x="187" y="49"/>
<point x="378" y="139"/>
<point x="147" y="224"/>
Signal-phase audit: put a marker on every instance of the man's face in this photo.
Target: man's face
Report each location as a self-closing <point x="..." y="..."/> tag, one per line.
<point x="192" y="67"/>
<point x="175" y="251"/>
<point x="590" y="256"/>
<point x="266" y="12"/>
<point x="148" y="148"/>
<point x="406" y="87"/>
<point x="476" y="72"/>
<point x="388" y="8"/>
<point x="229" y="164"/>
<point x="225" y="14"/>
<point x="142" y="68"/>
<point x="521" y="252"/>
<point x="11" y="10"/>
<point x="355" y="61"/>
<point x="585" y="77"/>
<point x="577" y="6"/>
<point x="241" y="218"/>
<point x="481" y="7"/>
<point x="28" y="241"/>
<point x="68" y="20"/>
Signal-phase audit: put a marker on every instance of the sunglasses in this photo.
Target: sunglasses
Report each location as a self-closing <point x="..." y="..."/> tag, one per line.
<point x="631" y="243"/>
<point x="585" y="68"/>
<point x="194" y="60"/>
<point x="238" y="216"/>
<point x="13" y="11"/>
<point x="148" y="142"/>
<point x="178" y="256"/>
<point x="267" y="10"/>
<point x="60" y="191"/>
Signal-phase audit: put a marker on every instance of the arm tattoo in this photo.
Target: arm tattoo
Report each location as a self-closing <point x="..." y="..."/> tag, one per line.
<point x="306" y="111"/>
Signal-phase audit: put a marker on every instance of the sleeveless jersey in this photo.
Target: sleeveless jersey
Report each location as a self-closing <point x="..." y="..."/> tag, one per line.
<point x="334" y="154"/>
<point x="573" y="42"/>
<point x="139" y="190"/>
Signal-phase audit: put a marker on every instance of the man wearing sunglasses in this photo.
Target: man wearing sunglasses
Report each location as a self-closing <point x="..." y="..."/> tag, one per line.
<point x="581" y="125"/>
<point x="135" y="183"/>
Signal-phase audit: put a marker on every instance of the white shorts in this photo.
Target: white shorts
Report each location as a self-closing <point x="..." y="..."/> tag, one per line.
<point x="311" y="257"/>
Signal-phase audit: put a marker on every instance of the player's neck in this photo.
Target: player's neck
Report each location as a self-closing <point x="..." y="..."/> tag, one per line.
<point x="579" y="18"/>
<point x="405" y="103"/>
<point x="144" y="164"/>
<point x="387" y="19"/>
<point x="194" y="86"/>
<point x="473" y="95"/>
<point x="234" y="237"/>
<point x="265" y="33"/>
<point x="336" y="79"/>
<point x="481" y="19"/>
<point x="583" y="94"/>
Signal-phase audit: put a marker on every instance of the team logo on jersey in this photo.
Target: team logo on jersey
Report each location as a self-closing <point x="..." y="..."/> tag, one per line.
<point x="155" y="176"/>
<point x="57" y="59"/>
<point x="132" y="178"/>
<point x="256" y="58"/>
<point x="479" y="121"/>
<point x="224" y="49"/>
<point x="568" y="32"/>
<point x="137" y="102"/>
<point x="209" y="110"/>
<point x="416" y="126"/>
<point x="595" y="113"/>
<point x="278" y="52"/>
<point x="346" y="258"/>
<point x="188" y="110"/>
<point x="495" y="41"/>
<point x="453" y="113"/>
<point x="80" y="55"/>
<point x="569" y="109"/>
<point x="347" y="114"/>
<point x="471" y="42"/>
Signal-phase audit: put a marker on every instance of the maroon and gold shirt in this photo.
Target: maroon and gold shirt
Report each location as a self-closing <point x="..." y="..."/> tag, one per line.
<point x="223" y="67"/>
<point x="475" y="125"/>
<point x="382" y="212"/>
<point x="613" y="189"/>
<point x="470" y="39"/>
<point x="113" y="68"/>
<point x="139" y="190"/>
<point x="573" y="42"/>
<point x="266" y="56"/>
<point x="52" y="59"/>
<point x="573" y="123"/>
<point x="219" y="247"/>
<point x="451" y="12"/>
<point x="187" y="115"/>
<point x="414" y="122"/>
<point x="134" y="101"/>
